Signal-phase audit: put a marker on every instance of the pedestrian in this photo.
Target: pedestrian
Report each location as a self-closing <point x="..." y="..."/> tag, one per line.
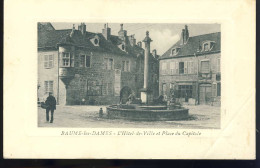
<point x="51" y="106"/>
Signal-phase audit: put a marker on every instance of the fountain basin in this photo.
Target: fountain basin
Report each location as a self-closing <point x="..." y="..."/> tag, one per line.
<point x="147" y="113"/>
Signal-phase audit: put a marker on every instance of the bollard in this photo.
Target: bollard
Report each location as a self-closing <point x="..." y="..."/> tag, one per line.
<point x="100" y="112"/>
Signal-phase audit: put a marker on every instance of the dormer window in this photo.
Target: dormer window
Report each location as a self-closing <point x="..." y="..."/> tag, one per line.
<point x="175" y="51"/>
<point x="122" y="46"/>
<point x="95" y="40"/>
<point x="208" y="45"/>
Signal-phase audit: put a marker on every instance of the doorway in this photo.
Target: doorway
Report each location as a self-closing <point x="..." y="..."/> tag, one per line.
<point x="205" y="94"/>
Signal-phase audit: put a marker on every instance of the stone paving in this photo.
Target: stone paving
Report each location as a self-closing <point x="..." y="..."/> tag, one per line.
<point x="201" y="117"/>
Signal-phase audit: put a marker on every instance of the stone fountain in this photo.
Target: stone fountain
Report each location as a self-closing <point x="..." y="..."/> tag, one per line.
<point x="147" y="110"/>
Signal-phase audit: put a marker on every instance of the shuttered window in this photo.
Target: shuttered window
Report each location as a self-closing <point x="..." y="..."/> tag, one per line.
<point x="185" y="67"/>
<point x="48" y="61"/>
<point x="172" y="68"/>
<point x="164" y="68"/>
<point x="48" y="86"/>
<point x="205" y="67"/>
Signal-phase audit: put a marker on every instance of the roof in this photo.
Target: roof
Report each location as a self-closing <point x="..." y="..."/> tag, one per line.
<point x="193" y="44"/>
<point x="45" y="26"/>
<point x="52" y="38"/>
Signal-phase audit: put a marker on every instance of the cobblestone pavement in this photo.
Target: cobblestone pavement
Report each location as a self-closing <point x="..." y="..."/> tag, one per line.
<point x="201" y="117"/>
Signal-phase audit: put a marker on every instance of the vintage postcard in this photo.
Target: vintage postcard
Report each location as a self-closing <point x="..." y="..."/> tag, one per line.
<point x="163" y="85"/>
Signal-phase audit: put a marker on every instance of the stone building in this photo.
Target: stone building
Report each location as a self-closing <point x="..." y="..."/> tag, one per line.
<point x="190" y="69"/>
<point x="81" y="67"/>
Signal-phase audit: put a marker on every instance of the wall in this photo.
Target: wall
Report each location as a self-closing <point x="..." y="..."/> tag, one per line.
<point x="187" y="78"/>
<point x="47" y="74"/>
<point x="77" y="89"/>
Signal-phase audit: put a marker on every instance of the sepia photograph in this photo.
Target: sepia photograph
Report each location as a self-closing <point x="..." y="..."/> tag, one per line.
<point x="129" y="79"/>
<point x="129" y="75"/>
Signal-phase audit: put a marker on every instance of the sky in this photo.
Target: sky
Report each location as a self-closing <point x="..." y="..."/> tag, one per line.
<point x="163" y="35"/>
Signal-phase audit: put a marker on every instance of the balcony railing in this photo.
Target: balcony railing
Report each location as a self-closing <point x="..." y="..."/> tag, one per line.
<point x="205" y="75"/>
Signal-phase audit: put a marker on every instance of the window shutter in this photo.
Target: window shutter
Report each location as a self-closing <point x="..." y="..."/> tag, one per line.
<point x="46" y="58"/>
<point x="51" y="86"/>
<point x="214" y="90"/>
<point x="172" y="67"/>
<point x="50" y="61"/>
<point x="191" y="67"/>
<point x="46" y="86"/>
<point x="185" y="67"/>
<point x="177" y="67"/>
<point x="205" y="66"/>
<point x="72" y="59"/>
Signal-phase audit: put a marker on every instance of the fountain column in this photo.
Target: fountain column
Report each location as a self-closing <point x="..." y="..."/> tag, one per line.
<point x="145" y="91"/>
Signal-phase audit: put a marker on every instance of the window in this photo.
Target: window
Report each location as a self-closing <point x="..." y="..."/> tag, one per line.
<point x="190" y="67"/>
<point x="48" y="61"/>
<point x="107" y="89"/>
<point x="218" y="65"/>
<point x="175" y="51"/>
<point x="218" y="89"/>
<point x="96" y="41"/>
<point x="164" y="89"/>
<point x="109" y="63"/>
<point x="94" y="88"/>
<point x="164" y="67"/>
<point x="181" y="67"/>
<point x="206" y="47"/>
<point x="48" y="86"/>
<point x="185" y="91"/>
<point x="205" y="67"/>
<point x="173" y="68"/>
<point x="125" y="66"/>
<point x="67" y="60"/>
<point x="84" y="61"/>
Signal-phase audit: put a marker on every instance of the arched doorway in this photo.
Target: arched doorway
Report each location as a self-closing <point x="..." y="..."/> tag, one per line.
<point x="124" y="94"/>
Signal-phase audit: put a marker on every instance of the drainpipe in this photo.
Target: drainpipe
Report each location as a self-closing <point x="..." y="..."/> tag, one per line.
<point x="58" y="90"/>
<point x="197" y="96"/>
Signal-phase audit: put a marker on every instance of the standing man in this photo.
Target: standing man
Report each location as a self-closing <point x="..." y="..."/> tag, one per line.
<point x="51" y="105"/>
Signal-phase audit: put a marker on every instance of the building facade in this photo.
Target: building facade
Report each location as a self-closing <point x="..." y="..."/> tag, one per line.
<point x="82" y="67"/>
<point x="190" y="69"/>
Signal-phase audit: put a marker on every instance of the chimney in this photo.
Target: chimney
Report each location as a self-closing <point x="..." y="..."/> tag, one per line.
<point x="82" y="28"/>
<point x="182" y="36"/>
<point x="139" y="44"/>
<point x="154" y="52"/>
<point x="122" y="33"/>
<point x="72" y="31"/>
<point x="106" y="31"/>
<point x="132" y="40"/>
<point x="186" y="35"/>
